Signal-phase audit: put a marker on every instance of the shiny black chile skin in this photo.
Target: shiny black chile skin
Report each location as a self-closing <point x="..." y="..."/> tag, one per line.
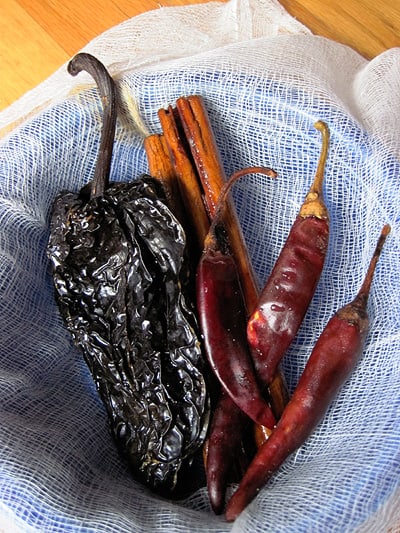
<point x="121" y="278"/>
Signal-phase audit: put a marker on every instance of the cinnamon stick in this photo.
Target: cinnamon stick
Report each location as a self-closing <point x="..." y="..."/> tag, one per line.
<point x="188" y="183"/>
<point x="188" y="151"/>
<point x="200" y="138"/>
<point x="161" y="167"/>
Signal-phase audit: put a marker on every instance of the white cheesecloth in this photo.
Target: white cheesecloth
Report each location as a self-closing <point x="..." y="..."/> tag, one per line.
<point x="265" y="80"/>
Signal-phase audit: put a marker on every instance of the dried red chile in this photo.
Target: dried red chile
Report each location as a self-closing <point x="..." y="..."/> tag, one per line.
<point x="121" y="283"/>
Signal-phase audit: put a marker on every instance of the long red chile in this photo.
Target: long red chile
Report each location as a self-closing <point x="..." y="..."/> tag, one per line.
<point x="334" y="356"/>
<point x="287" y="295"/>
<point x="223" y="317"/>
<point x="291" y="285"/>
<point x="223" y="325"/>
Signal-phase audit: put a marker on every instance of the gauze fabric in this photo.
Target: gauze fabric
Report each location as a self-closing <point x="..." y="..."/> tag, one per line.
<point x="265" y="80"/>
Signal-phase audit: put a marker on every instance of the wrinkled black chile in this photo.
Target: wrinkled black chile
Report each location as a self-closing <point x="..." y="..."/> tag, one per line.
<point x="121" y="284"/>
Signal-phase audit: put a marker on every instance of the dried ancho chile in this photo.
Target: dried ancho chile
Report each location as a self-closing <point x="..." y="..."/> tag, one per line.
<point x="121" y="283"/>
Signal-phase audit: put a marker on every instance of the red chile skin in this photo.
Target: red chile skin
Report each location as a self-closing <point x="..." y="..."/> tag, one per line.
<point x="331" y="361"/>
<point x="222" y="316"/>
<point x="226" y="431"/>
<point x="287" y="294"/>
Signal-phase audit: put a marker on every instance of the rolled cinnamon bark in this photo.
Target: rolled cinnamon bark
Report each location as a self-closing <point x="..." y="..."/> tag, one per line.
<point x="189" y="148"/>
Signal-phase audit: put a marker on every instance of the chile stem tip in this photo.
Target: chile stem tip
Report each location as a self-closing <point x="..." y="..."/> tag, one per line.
<point x="322" y="127"/>
<point x="366" y="284"/>
<point x="313" y="205"/>
<point x="211" y="241"/>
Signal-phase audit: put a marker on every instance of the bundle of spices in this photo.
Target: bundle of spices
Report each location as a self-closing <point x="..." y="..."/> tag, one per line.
<point x="153" y="280"/>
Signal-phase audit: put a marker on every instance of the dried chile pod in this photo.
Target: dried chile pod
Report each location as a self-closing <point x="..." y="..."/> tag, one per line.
<point x="222" y="315"/>
<point x="120" y="275"/>
<point x="287" y="294"/>
<point x="331" y="361"/>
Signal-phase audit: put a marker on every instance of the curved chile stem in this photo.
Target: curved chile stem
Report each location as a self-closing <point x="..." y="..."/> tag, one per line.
<point x="313" y="205"/>
<point x="211" y="241"/>
<point x="106" y="87"/>
<point x="319" y="174"/>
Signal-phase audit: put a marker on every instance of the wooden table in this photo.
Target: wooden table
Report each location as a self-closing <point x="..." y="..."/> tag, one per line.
<point x="38" y="36"/>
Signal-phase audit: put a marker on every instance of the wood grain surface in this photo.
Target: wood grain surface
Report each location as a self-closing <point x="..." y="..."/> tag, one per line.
<point x="38" y="36"/>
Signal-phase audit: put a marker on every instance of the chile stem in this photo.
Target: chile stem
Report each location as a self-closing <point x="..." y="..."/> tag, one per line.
<point x="106" y="88"/>
<point x="364" y="291"/>
<point x="314" y="204"/>
<point x="210" y="242"/>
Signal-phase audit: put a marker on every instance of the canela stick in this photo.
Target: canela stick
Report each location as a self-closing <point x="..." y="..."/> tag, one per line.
<point x="187" y="179"/>
<point x="224" y="453"/>
<point x="205" y="154"/>
<point x="161" y="168"/>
